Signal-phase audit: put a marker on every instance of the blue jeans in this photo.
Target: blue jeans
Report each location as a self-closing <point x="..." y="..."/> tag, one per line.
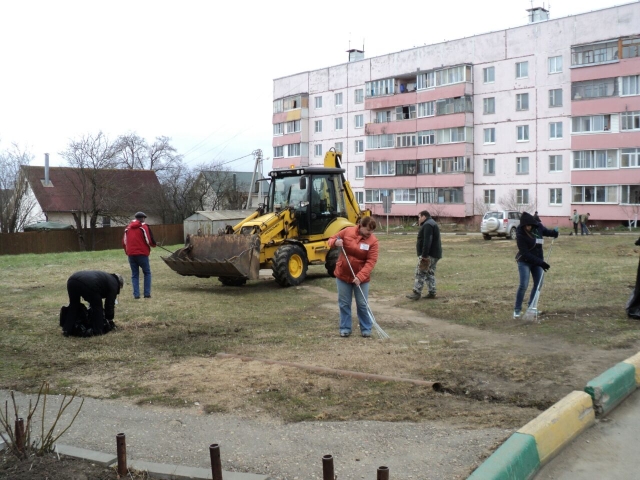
<point x="346" y="291"/>
<point x="524" y="269"/>
<point x="136" y="262"/>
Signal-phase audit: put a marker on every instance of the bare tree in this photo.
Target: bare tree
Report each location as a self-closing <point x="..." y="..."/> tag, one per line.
<point x="510" y="202"/>
<point x="91" y="157"/>
<point x="178" y="192"/>
<point x="132" y="151"/>
<point x="631" y="211"/>
<point x="480" y="208"/>
<point x="17" y="206"/>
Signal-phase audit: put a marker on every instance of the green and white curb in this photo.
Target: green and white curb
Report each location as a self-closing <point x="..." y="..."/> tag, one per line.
<point x="535" y="444"/>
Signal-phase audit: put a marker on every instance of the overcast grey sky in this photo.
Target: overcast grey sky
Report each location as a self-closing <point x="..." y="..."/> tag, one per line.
<point x="201" y="72"/>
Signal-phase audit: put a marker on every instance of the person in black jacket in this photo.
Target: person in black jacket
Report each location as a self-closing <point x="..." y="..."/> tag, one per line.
<point x="530" y="257"/>
<point x="92" y="286"/>
<point x="429" y="249"/>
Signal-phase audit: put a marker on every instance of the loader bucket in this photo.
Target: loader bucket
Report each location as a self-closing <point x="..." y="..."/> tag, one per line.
<point x="233" y="256"/>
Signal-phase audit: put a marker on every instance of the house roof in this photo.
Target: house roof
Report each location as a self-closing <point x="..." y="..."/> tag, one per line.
<point x="129" y="190"/>
<point x="220" y="215"/>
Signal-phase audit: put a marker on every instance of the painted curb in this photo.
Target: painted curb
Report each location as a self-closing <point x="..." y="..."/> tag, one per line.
<point x="557" y="426"/>
<point x="611" y="387"/>
<point x="516" y="459"/>
<point x="635" y="361"/>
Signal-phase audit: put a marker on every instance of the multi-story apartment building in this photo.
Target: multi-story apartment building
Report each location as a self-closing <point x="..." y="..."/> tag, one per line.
<point x="542" y="117"/>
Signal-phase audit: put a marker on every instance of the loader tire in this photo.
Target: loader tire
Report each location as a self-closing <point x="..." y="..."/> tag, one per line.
<point x="232" y="281"/>
<point x="290" y="265"/>
<point x="331" y="261"/>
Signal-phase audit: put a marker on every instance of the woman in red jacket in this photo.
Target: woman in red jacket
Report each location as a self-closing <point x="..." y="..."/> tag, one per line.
<point x="362" y="249"/>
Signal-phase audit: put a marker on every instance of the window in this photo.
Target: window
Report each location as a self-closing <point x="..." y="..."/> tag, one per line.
<point x="383" y="117"/>
<point x="278" y="106"/>
<point x="292" y="127"/>
<point x="406" y="167"/>
<point x="453" y="165"/>
<point x="317" y="126"/>
<point x="406" y="112"/>
<point x="630" y="120"/>
<point x="522" y="165"/>
<point x="555" y="64"/>
<point x="359" y="172"/>
<point x="359" y="95"/>
<point x="489" y="75"/>
<point x="338" y="123"/>
<point x="426" y="80"/>
<point x="359" y="146"/>
<point x="594" y="53"/>
<point x="522" y="196"/>
<point x="488" y="105"/>
<point x="555" y="130"/>
<point x="454" y="135"/>
<point x="595" y="123"/>
<point x="338" y="97"/>
<point x="489" y="135"/>
<point x="376" y="195"/>
<point x="630" y="157"/>
<point x="605" y="87"/>
<point x="630" y="194"/>
<point x="427" y="137"/>
<point x="277" y="129"/>
<point x="405" y="140"/>
<point x="454" y="105"/>
<point x="427" y="166"/>
<point x="380" y="141"/>
<point x="384" y="167"/>
<point x="449" y="76"/>
<point x="555" y="196"/>
<point x="379" y="87"/>
<point x="292" y="103"/>
<point x="555" y="97"/>
<point x="359" y="197"/>
<point x="489" y="166"/>
<point x="489" y="197"/>
<point x="317" y="150"/>
<point x="555" y="163"/>
<point x="293" y="150"/>
<point x="522" y="69"/>
<point x="522" y="101"/>
<point x="426" y="109"/>
<point x="318" y="102"/>
<point x="404" y="195"/>
<point x="359" y="121"/>
<point x="631" y="85"/>
<point x="278" y="152"/>
<point x="595" y="194"/>
<point x="440" y="195"/>
<point x="595" y="159"/>
<point x="523" y="133"/>
<point x="339" y="147"/>
<point x="631" y="47"/>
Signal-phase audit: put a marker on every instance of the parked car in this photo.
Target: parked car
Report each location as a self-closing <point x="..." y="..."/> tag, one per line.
<point x="501" y="223"/>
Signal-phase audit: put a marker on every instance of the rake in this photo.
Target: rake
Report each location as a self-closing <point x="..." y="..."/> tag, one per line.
<point x="379" y="331"/>
<point x="532" y="310"/>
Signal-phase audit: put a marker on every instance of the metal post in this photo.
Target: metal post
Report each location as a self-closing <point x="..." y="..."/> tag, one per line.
<point x="327" y="468"/>
<point x="19" y="431"/>
<point x="216" y="465"/>
<point x="121" y="447"/>
<point x="383" y="473"/>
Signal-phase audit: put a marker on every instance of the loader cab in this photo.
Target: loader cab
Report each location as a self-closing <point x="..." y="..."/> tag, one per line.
<point x="315" y="194"/>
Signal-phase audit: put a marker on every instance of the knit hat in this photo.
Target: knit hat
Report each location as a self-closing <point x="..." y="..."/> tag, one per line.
<point x="527" y="219"/>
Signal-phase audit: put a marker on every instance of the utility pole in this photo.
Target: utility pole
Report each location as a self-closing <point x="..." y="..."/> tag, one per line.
<point x="256" y="169"/>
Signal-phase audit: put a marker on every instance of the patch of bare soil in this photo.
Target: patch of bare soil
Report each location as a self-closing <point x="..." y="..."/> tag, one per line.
<point x="51" y="467"/>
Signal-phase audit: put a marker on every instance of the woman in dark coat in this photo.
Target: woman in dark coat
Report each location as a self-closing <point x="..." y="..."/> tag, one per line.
<point x="530" y="257"/>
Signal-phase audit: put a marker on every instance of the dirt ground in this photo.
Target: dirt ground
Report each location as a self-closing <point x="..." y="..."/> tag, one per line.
<point x="542" y="370"/>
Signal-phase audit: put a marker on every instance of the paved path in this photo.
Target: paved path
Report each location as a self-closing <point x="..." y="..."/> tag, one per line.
<point x="608" y="450"/>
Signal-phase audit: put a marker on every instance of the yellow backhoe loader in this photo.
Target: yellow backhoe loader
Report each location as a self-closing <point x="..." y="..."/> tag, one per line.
<point x="305" y="206"/>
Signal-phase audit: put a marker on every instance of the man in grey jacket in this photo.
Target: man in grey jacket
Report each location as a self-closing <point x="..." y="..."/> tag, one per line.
<point x="429" y="249"/>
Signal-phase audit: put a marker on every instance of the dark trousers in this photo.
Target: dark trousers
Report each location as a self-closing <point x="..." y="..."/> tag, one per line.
<point x="76" y="289"/>
<point x="575" y="228"/>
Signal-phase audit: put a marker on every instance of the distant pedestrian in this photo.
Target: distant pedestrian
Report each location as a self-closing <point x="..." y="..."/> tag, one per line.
<point x="575" y="218"/>
<point x="92" y="286"/>
<point x="137" y="243"/>
<point x="361" y="247"/>
<point x="429" y="249"/>
<point x="584" y="218"/>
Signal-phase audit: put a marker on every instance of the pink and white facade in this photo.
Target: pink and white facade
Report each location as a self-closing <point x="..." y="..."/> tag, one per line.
<point x="541" y="117"/>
